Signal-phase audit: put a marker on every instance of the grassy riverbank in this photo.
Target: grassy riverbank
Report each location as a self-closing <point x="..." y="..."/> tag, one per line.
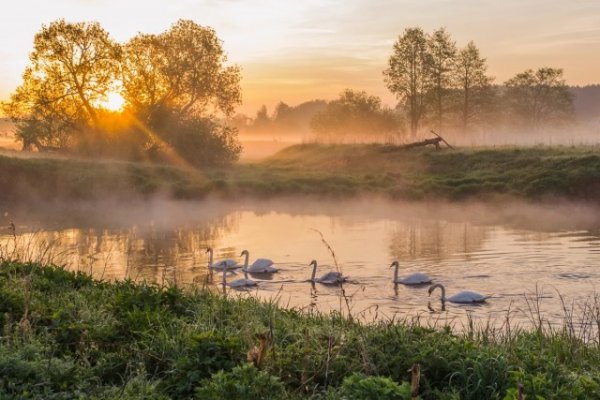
<point x="334" y="170"/>
<point x="67" y="336"/>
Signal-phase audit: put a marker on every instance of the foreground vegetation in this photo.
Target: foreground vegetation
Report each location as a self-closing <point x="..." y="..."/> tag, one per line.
<point x="338" y="170"/>
<point x="67" y="336"/>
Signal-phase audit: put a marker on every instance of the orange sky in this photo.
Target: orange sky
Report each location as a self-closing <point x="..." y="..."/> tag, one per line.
<point x="301" y="50"/>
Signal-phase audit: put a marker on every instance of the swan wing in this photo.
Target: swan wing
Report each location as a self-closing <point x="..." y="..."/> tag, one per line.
<point x="262" y="266"/>
<point x="467" y="297"/>
<point x="332" y="277"/>
<point x="225" y="264"/>
<point x="261" y="270"/>
<point x="262" y="263"/>
<point x="415" y="279"/>
<point x="241" y="283"/>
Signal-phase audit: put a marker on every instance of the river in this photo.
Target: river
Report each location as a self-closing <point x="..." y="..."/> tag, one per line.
<point x="532" y="260"/>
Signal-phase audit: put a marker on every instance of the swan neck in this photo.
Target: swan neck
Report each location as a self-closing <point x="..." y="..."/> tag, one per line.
<point x="396" y="272"/>
<point x="443" y="289"/>
<point x="314" y="271"/>
<point x="210" y="258"/>
<point x="246" y="256"/>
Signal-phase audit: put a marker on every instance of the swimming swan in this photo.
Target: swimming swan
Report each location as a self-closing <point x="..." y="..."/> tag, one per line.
<point x="243" y="282"/>
<point x="260" y="266"/>
<point x="330" y="278"/>
<point x="462" y="297"/>
<point x="413" y="279"/>
<point x="220" y="265"/>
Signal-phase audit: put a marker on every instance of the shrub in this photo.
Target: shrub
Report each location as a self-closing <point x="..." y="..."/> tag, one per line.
<point x="242" y="383"/>
<point x="361" y="387"/>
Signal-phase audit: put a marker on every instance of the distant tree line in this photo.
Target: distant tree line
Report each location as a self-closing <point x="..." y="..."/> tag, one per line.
<point x="438" y="85"/>
<point x="175" y="85"/>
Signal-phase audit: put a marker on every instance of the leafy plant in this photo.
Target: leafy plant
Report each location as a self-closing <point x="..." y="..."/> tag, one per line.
<point x="361" y="387"/>
<point x="242" y="383"/>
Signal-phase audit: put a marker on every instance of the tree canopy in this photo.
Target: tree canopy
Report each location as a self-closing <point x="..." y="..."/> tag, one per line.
<point x="174" y="83"/>
<point x="408" y="75"/>
<point x="435" y="82"/>
<point x="182" y="70"/>
<point x="355" y="114"/>
<point x="538" y="98"/>
<point x="73" y="68"/>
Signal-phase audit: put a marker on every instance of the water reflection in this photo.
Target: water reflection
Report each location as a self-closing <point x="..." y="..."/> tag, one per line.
<point x="166" y="243"/>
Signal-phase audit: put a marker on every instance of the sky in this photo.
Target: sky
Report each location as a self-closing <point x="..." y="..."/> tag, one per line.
<point x="294" y="51"/>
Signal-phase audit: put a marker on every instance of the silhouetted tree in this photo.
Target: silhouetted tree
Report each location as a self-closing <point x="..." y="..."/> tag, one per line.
<point x="409" y="74"/>
<point x="177" y="81"/>
<point x="356" y="114"/>
<point x="73" y="68"/>
<point x="472" y="82"/>
<point x="443" y="52"/>
<point x="182" y="70"/>
<point x="262" y="119"/>
<point x="536" y="99"/>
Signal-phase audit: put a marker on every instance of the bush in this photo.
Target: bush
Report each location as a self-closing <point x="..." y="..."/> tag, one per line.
<point x="203" y="142"/>
<point x="243" y="383"/>
<point x="207" y="353"/>
<point x="361" y="387"/>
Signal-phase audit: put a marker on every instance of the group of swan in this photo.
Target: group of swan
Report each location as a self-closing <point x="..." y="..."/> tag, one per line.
<point x="419" y="278"/>
<point x="260" y="266"/>
<point x="265" y="266"/>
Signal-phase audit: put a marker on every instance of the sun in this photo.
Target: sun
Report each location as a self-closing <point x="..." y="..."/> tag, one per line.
<point x="114" y="102"/>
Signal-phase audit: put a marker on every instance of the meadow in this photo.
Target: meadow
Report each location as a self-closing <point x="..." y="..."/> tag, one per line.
<point x="65" y="335"/>
<point x="534" y="173"/>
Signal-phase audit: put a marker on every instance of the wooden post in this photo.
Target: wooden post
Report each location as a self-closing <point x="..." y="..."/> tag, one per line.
<point x="415" y="371"/>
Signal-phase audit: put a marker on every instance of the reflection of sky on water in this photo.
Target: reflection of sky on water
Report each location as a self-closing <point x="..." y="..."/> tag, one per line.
<point x="507" y="261"/>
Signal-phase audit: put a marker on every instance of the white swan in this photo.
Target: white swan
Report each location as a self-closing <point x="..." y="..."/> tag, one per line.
<point x="413" y="279"/>
<point x="260" y="266"/>
<point x="220" y="265"/>
<point x="330" y="278"/>
<point x="243" y="282"/>
<point x="462" y="297"/>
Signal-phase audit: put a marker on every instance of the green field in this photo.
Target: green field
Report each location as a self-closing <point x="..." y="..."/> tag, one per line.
<point x="316" y="169"/>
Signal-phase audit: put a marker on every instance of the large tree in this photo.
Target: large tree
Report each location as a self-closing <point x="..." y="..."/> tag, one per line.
<point x="181" y="71"/>
<point x="473" y="83"/>
<point x="443" y="52"/>
<point x="177" y="84"/>
<point x="73" y="68"/>
<point x="537" y="98"/>
<point x="408" y="75"/>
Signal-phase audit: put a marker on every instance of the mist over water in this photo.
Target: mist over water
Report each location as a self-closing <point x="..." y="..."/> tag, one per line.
<point x="513" y="251"/>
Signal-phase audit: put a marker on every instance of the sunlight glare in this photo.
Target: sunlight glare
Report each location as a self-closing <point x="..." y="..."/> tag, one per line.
<point x="114" y="101"/>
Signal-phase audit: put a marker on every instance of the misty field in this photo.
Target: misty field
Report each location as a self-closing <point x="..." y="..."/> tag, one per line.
<point x="318" y="169"/>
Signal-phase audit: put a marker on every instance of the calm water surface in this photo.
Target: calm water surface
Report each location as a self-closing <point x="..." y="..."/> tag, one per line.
<point x="521" y="255"/>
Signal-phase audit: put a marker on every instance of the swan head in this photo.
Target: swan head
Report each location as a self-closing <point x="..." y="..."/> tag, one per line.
<point x="244" y="252"/>
<point x="313" y="263"/>
<point x="209" y="249"/>
<point x="394" y="264"/>
<point x="437" y="285"/>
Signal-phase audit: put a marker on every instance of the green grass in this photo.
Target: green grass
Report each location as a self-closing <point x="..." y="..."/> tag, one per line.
<point x="66" y="336"/>
<point x="333" y="170"/>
